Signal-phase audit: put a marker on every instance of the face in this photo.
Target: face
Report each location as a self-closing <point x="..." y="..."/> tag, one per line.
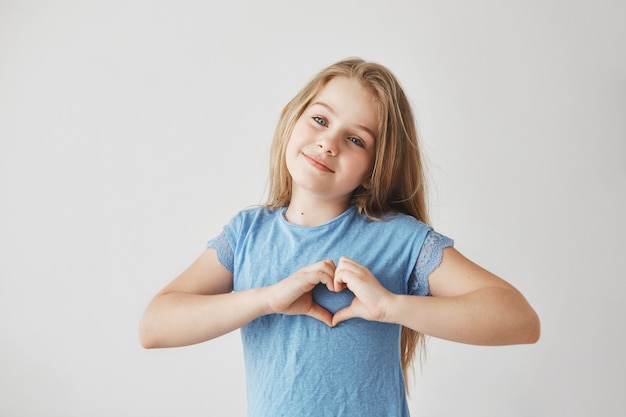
<point x="332" y="147"/>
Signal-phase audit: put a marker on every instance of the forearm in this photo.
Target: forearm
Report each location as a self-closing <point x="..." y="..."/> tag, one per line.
<point x="488" y="316"/>
<point x="180" y="319"/>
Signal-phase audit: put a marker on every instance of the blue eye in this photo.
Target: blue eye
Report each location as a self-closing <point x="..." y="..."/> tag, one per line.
<point x="320" y="120"/>
<point x="356" y="141"/>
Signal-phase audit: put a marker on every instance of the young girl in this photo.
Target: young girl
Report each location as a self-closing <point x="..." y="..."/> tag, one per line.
<point x="329" y="280"/>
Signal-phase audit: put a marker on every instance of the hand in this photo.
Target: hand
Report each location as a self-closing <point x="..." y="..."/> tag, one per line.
<point x="370" y="297"/>
<point x="293" y="294"/>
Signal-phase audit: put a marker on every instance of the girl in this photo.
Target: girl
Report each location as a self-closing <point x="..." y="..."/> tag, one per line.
<point x="328" y="281"/>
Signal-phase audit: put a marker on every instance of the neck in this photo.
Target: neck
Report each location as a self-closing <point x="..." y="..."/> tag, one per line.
<point x="310" y="211"/>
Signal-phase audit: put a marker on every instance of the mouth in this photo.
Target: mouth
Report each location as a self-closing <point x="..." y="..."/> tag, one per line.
<point x="317" y="163"/>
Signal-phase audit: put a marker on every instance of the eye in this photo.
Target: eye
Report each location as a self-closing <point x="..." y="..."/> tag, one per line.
<point x="320" y="120"/>
<point x="356" y="141"/>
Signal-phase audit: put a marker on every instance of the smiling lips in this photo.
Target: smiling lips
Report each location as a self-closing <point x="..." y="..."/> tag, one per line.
<point x="317" y="163"/>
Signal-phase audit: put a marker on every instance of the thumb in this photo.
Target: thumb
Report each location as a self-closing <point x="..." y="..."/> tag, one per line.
<point x="344" y="314"/>
<point x="320" y="313"/>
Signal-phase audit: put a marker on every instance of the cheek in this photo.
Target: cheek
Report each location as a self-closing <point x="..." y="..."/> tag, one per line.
<point x="367" y="172"/>
<point x="364" y="163"/>
<point x="300" y="131"/>
<point x="289" y="154"/>
<point x="291" y="150"/>
<point x="299" y="137"/>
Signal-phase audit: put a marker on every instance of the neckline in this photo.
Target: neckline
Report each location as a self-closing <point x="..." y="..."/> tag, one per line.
<point x="347" y="212"/>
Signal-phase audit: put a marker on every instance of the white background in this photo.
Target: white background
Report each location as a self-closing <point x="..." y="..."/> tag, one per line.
<point x="131" y="131"/>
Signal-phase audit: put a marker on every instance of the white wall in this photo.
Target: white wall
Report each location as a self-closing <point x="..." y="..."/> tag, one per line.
<point x="130" y="132"/>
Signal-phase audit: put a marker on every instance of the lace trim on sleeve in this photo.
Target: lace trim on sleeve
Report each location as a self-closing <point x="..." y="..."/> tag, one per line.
<point x="427" y="261"/>
<point x="221" y="244"/>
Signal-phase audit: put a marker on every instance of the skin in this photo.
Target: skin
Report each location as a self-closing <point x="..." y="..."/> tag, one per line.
<point x="331" y="153"/>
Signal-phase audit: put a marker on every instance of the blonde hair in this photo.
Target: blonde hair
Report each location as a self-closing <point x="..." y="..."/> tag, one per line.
<point x="397" y="182"/>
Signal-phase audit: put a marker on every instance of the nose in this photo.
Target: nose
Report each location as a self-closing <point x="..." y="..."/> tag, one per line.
<point x="329" y="143"/>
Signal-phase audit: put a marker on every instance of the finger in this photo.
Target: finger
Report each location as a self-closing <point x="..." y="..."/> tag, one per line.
<point x="322" y="277"/>
<point x="350" y="265"/>
<point x="346" y="262"/>
<point x="347" y="265"/>
<point x="345" y="259"/>
<point x="327" y="268"/>
<point x="344" y="314"/>
<point x="319" y="272"/>
<point x="320" y="313"/>
<point x="346" y="276"/>
<point x="339" y="280"/>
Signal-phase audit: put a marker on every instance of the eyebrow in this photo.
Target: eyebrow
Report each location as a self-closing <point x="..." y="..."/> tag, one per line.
<point x="331" y="110"/>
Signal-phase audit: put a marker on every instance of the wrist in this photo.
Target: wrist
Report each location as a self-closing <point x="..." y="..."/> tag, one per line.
<point x="262" y="295"/>
<point x="390" y="308"/>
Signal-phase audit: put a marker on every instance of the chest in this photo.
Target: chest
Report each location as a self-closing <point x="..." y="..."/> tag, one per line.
<point x="271" y="254"/>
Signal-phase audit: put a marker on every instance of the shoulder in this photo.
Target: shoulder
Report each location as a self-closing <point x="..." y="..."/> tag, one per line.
<point x="251" y="217"/>
<point x="394" y="229"/>
<point x="404" y="222"/>
<point x="256" y="212"/>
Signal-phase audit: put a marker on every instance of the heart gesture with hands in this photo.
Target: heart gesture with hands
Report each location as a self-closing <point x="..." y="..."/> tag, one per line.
<point x="293" y="295"/>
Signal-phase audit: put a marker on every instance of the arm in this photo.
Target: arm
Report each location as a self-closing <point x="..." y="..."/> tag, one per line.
<point x="200" y="304"/>
<point x="468" y="304"/>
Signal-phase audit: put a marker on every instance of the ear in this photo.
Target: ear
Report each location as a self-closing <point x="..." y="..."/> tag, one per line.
<point x="367" y="184"/>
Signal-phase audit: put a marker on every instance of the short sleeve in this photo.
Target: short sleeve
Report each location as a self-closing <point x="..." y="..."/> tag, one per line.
<point x="428" y="260"/>
<point x="221" y="244"/>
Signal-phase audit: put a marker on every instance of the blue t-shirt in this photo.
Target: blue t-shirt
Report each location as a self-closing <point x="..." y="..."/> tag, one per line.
<point x="298" y="366"/>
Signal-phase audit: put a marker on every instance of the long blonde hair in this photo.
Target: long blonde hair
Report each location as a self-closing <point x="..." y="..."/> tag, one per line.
<point x="397" y="182"/>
